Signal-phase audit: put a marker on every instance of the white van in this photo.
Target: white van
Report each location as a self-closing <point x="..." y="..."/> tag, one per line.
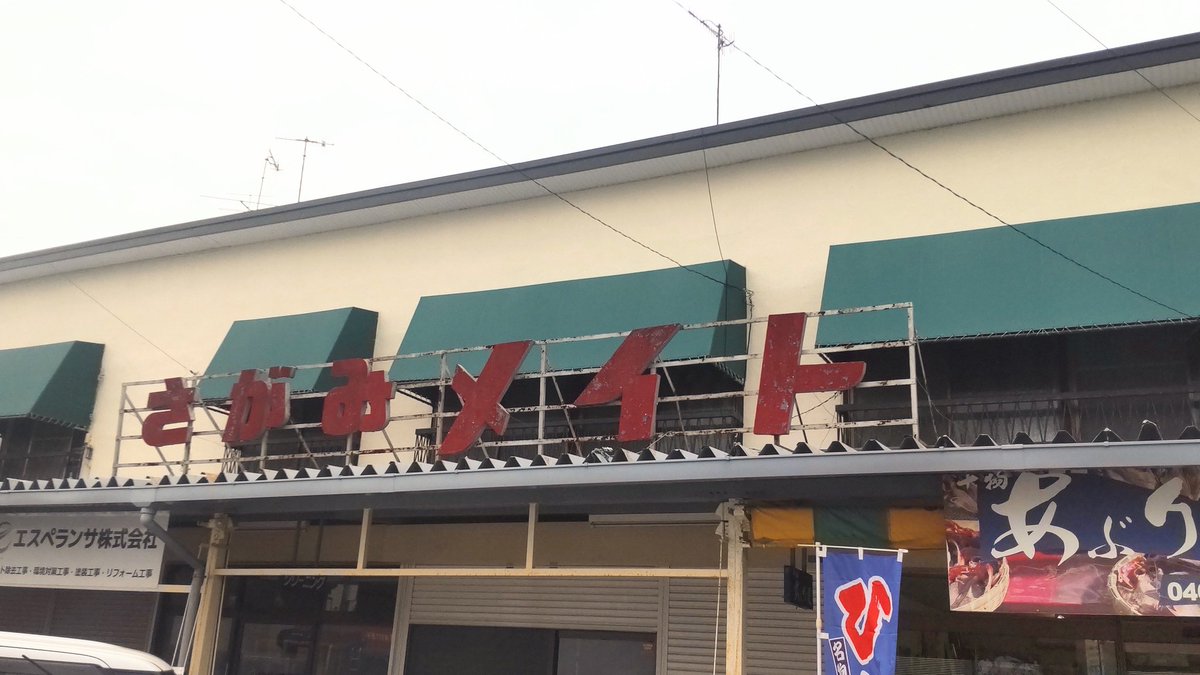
<point x="26" y="654"/>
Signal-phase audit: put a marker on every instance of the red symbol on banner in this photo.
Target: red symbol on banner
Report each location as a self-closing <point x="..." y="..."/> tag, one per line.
<point x="257" y="404"/>
<point x="176" y="406"/>
<point x="481" y="397"/>
<point x="783" y="377"/>
<point x="863" y="615"/>
<point x="622" y="378"/>
<point x="359" y="405"/>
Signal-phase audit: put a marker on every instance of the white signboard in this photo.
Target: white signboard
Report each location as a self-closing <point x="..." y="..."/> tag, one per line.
<point x="105" y="551"/>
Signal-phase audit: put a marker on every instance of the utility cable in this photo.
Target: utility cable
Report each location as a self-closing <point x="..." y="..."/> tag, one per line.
<point x="959" y="195"/>
<point x="497" y="157"/>
<point x="125" y="323"/>
<point x="1108" y="49"/>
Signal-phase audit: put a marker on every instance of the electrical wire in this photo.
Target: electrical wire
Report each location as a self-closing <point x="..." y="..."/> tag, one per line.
<point x="942" y="185"/>
<point x="497" y="157"/>
<point x="1108" y="49"/>
<point x="959" y="195"/>
<point x="125" y="323"/>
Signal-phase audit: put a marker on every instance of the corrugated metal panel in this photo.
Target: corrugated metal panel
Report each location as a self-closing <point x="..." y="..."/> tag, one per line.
<point x="693" y="639"/>
<point x="119" y="618"/>
<point x="780" y="638"/>
<point x="579" y="604"/>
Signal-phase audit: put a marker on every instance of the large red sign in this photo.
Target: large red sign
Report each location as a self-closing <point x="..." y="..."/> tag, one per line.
<point x="259" y="403"/>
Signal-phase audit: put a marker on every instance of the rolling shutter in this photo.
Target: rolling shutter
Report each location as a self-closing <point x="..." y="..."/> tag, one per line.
<point x="692" y="635"/>
<point x="780" y="638"/>
<point x="581" y="604"/>
<point x="25" y="610"/>
<point x="116" y="617"/>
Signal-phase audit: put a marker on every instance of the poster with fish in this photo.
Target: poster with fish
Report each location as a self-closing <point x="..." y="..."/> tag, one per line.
<point x="1089" y="541"/>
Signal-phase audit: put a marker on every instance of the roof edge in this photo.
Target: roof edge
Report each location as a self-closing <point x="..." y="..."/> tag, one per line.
<point x="909" y="99"/>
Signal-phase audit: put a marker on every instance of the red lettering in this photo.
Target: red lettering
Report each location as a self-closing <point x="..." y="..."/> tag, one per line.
<point x="362" y="404"/>
<point x="481" y="398"/>
<point x="257" y="404"/>
<point x="176" y="406"/>
<point x="622" y="378"/>
<point x="863" y="615"/>
<point x="783" y="377"/>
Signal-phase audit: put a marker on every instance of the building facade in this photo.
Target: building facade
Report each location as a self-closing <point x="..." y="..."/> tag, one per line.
<point x="422" y="428"/>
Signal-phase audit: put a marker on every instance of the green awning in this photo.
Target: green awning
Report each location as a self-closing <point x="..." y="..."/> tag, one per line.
<point x="292" y="340"/>
<point x="53" y="383"/>
<point x="995" y="281"/>
<point x="705" y="292"/>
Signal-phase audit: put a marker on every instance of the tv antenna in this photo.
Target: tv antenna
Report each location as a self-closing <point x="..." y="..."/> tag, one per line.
<point x="303" y="157"/>
<point x="268" y="162"/>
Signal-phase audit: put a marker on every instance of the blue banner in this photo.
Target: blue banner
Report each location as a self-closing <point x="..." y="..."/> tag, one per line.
<point x="860" y="596"/>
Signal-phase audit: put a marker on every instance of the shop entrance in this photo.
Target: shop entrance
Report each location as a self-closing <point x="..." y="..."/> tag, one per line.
<point x="477" y="650"/>
<point x="306" y="626"/>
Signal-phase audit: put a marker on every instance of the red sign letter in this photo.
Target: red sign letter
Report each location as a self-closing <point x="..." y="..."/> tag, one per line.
<point x="176" y="404"/>
<point x="359" y="405"/>
<point x="481" y="398"/>
<point x="863" y="615"/>
<point x="783" y="377"/>
<point x="257" y="404"/>
<point x="622" y="378"/>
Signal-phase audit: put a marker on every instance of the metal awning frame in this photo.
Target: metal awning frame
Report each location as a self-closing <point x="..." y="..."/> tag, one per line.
<point x="206" y="423"/>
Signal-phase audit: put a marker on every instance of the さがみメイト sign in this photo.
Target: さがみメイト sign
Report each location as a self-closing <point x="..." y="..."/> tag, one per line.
<point x="260" y="399"/>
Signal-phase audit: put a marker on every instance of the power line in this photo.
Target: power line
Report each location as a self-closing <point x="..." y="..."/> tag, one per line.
<point x="952" y="191"/>
<point x="1108" y="49"/>
<point x="125" y="323"/>
<point x="497" y="157"/>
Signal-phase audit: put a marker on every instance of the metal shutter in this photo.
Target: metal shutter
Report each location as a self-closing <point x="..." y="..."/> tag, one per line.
<point x="118" y="617"/>
<point x="780" y="638"/>
<point x="691" y="627"/>
<point x="25" y="610"/>
<point x="581" y="604"/>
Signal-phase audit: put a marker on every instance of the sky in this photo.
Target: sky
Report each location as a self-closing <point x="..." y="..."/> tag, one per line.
<point x="127" y="115"/>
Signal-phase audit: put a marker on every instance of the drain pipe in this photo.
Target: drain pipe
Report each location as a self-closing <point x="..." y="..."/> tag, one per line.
<point x="183" y="646"/>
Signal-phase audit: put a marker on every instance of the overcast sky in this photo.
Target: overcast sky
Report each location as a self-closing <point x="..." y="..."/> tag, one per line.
<point x="120" y="116"/>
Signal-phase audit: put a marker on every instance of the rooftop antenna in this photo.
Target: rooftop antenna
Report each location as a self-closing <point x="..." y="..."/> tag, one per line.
<point x="303" y="157"/>
<point x="723" y="41"/>
<point x="268" y="161"/>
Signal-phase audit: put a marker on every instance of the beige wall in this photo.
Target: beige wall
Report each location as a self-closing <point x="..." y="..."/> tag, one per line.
<point x="481" y="545"/>
<point x="776" y="216"/>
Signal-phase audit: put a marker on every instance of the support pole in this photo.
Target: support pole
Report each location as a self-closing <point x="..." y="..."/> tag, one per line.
<point x="364" y="537"/>
<point x="735" y="523"/>
<point x="204" y="644"/>
<point x="529" y="536"/>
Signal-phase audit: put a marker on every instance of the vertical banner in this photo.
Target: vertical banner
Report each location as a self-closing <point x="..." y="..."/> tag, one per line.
<point x="860" y="596"/>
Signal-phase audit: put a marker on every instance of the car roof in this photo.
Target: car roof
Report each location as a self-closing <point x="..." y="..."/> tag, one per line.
<point x="120" y="658"/>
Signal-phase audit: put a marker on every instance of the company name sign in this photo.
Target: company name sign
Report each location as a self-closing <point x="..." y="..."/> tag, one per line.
<point x="108" y="551"/>
<point x="259" y="399"/>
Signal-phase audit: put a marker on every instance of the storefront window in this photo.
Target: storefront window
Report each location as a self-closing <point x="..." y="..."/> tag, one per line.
<point x="934" y="639"/>
<point x="308" y="626"/>
<point x="476" y="650"/>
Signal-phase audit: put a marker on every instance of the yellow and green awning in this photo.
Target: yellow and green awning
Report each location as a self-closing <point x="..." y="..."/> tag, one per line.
<point x="912" y="529"/>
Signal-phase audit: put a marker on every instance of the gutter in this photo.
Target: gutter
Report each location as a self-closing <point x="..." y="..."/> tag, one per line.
<point x="183" y="647"/>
